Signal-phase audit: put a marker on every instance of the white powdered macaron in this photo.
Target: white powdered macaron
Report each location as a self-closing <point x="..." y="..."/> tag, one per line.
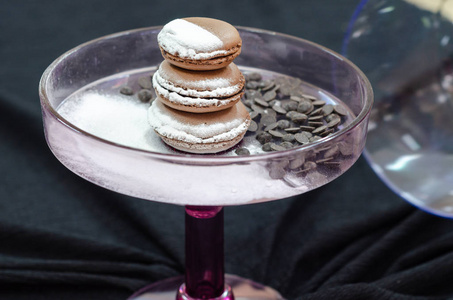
<point x="199" y="43"/>
<point x="199" y="133"/>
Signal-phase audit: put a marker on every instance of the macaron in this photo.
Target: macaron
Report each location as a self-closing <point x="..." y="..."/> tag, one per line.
<point x="199" y="43"/>
<point x="199" y="133"/>
<point x="198" y="92"/>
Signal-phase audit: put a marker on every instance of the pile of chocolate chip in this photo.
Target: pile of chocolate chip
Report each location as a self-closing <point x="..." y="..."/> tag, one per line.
<point x="146" y="93"/>
<point x="283" y="116"/>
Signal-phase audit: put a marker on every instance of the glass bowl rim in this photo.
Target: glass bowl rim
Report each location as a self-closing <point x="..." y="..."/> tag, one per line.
<point x="210" y="158"/>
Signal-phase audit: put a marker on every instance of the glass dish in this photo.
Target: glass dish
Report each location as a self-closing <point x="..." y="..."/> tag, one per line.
<point x="204" y="183"/>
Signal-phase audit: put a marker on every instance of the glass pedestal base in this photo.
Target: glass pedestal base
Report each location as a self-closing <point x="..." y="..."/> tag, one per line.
<point x="243" y="289"/>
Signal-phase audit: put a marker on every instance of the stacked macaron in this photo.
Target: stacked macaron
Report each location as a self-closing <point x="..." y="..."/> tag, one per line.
<point x="198" y="87"/>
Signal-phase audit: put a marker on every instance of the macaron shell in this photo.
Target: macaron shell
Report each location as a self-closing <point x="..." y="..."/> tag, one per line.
<point x="223" y="30"/>
<point x="189" y="120"/>
<point x="229" y="49"/>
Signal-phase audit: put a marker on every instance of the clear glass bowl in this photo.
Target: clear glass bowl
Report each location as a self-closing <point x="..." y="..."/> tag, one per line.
<point x="187" y="179"/>
<point x="405" y="49"/>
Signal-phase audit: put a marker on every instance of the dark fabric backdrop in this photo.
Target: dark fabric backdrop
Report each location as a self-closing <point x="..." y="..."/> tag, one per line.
<point x="64" y="238"/>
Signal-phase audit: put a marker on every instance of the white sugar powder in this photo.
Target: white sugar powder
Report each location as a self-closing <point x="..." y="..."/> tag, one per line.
<point x="210" y="88"/>
<point x="117" y="118"/>
<point x="172" y="128"/>
<point x="187" y="40"/>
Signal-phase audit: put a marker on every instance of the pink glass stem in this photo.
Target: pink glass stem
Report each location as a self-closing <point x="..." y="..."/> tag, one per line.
<point x="204" y="252"/>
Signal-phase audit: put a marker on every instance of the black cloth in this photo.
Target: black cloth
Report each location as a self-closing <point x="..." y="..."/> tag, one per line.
<point x="64" y="238"/>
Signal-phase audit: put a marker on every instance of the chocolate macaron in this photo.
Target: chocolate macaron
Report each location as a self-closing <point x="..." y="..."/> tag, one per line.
<point x="198" y="92"/>
<point x="215" y="132"/>
<point x="199" y="43"/>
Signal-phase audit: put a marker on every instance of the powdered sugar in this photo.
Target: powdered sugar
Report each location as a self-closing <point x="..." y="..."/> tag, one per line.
<point x="119" y="119"/>
<point x="187" y="40"/>
<point x="196" y="134"/>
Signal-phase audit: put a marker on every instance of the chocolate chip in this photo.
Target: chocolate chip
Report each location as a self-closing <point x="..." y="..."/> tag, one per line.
<point x="145" y="95"/>
<point x="284" y="124"/>
<point x="264" y="137"/>
<point x="291" y="105"/>
<point x="277" y="173"/>
<point x="309" y="97"/>
<point x="305" y="106"/>
<point x="248" y="103"/>
<point x="332" y="117"/>
<point x="254" y="114"/>
<point x="296" y="163"/>
<point x="287" y="145"/>
<point x="268" y="96"/>
<point x="315" y="123"/>
<point x="252" y="94"/>
<point x="295" y="98"/>
<point x="276" y="147"/>
<point x="292" y="129"/>
<point x="309" y="165"/>
<point x="316" y="112"/>
<point x="257" y="108"/>
<point x="315" y="118"/>
<point x="319" y="129"/>
<point x="290" y="114"/>
<point x="307" y="128"/>
<point x="279" y="109"/>
<point x="242" y="151"/>
<point x="145" y="82"/>
<point x="125" y="90"/>
<point x="274" y="102"/>
<point x="254" y="76"/>
<point x="270" y="112"/>
<point x="276" y="133"/>
<point x="285" y="90"/>
<point x="301" y="138"/>
<point x="334" y="150"/>
<point x="326" y="132"/>
<point x="327" y="109"/>
<point x="307" y="134"/>
<point x="271" y="126"/>
<point x="261" y="102"/>
<point x="288" y="137"/>
<point x="298" y="117"/>
<point x="324" y="160"/>
<point x="340" y="110"/>
<point x="267" y="147"/>
<point x="314" y="138"/>
<point x="267" y="119"/>
<point x="345" y="148"/>
<point x="253" y="126"/>
<point x="267" y="85"/>
<point x="319" y="103"/>
<point x="253" y="85"/>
